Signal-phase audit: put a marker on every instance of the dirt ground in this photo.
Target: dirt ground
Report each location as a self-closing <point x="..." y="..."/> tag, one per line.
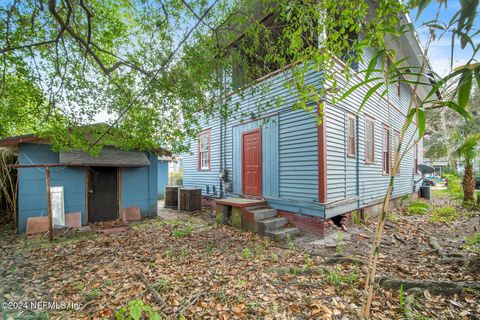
<point x="193" y="268"/>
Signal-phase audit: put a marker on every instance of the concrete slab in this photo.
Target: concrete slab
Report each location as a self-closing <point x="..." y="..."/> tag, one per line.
<point x="169" y="214"/>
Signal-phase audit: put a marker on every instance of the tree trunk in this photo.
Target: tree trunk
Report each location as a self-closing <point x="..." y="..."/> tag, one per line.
<point x="468" y="183"/>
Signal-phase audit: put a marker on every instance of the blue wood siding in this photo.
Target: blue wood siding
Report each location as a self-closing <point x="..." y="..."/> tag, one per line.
<point x="350" y="181"/>
<point x="289" y="145"/>
<point x="192" y="177"/>
<point x="269" y="155"/>
<point x="342" y="183"/>
<point x="162" y="178"/>
<point x="32" y="198"/>
<point x="139" y="187"/>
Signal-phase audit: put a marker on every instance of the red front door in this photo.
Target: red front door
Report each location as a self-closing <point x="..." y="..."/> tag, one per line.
<point x="252" y="162"/>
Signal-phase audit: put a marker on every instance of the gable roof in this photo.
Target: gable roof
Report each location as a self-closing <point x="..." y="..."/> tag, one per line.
<point x="108" y="157"/>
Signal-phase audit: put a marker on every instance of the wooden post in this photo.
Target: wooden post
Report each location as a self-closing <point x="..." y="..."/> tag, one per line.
<point x="49" y="204"/>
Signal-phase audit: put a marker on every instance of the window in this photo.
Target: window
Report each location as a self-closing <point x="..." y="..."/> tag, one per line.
<point x="396" y="142"/>
<point x="351" y="135"/>
<point x="369" y="140"/>
<point x="204" y="150"/>
<point x="386" y="149"/>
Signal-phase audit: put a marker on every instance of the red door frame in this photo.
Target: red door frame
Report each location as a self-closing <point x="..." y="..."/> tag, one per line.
<point x="259" y="132"/>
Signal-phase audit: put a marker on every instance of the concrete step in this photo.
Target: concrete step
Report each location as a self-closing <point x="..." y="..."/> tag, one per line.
<point x="260" y="214"/>
<point x="270" y="224"/>
<point x="260" y="207"/>
<point x="281" y="234"/>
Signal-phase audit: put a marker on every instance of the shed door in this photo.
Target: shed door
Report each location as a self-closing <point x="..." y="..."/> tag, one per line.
<point x="252" y="162"/>
<point x="102" y="194"/>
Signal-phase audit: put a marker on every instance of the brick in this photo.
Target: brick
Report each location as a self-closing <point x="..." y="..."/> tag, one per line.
<point x="36" y="225"/>
<point x="73" y="220"/>
<point x="131" y="214"/>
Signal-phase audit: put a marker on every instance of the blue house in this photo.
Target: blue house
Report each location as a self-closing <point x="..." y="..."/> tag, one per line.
<point x="271" y="164"/>
<point x="96" y="187"/>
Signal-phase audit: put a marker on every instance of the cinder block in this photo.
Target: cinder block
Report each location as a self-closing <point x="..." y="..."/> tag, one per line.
<point x="36" y="225"/>
<point x="73" y="220"/>
<point x="131" y="214"/>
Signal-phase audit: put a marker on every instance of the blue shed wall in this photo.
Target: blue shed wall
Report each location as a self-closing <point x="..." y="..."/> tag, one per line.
<point x="139" y="187"/>
<point x="32" y="198"/>
<point x="162" y="178"/>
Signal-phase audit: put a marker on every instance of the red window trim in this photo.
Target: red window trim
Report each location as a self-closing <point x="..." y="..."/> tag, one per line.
<point x="199" y="165"/>
<point x="389" y="155"/>
<point x="322" y="155"/>
<point x="351" y="115"/>
<point x="368" y="118"/>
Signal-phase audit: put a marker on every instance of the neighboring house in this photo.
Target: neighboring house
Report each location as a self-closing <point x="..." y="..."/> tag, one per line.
<point x="96" y="188"/>
<point x="306" y="172"/>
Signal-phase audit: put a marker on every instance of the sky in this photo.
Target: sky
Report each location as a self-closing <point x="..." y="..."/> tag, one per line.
<point x="439" y="52"/>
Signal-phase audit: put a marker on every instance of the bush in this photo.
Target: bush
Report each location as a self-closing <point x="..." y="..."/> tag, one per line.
<point x="443" y="214"/>
<point x="418" y="207"/>
<point x="137" y="310"/>
<point x="454" y="186"/>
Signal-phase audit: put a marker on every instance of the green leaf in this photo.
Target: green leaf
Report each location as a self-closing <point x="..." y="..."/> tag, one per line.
<point x="422" y="4"/>
<point x="464" y="88"/>
<point x="369" y="93"/>
<point x="358" y="85"/>
<point x="453" y="106"/>
<point x="373" y="63"/>
<point x="421" y="121"/>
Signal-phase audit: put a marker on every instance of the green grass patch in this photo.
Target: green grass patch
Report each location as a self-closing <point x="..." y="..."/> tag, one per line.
<point x="183" y="232"/>
<point x="337" y="277"/>
<point x="418" y="207"/>
<point x="444" y="214"/>
<point x="473" y="242"/>
<point x="247" y="254"/>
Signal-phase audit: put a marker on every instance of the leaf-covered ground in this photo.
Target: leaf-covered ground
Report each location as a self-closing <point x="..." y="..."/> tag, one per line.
<point x="204" y="270"/>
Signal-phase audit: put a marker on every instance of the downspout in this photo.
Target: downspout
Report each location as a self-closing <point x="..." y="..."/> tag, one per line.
<point x="221" y="157"/>
<point x="357" y="169"/>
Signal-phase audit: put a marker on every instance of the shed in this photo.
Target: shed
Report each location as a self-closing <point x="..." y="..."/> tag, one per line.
<point x="94" y="187"/>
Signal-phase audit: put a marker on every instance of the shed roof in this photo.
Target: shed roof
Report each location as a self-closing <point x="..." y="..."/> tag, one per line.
<point x="109" y="157"/>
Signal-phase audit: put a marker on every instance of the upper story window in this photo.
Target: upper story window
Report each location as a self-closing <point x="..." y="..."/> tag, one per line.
<point x="204" y="150"/>
<point x="396" y="142"/>
<point x="386" y="149"/>
<point x="369" y="140"/>
<point x="351" y="135"/>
